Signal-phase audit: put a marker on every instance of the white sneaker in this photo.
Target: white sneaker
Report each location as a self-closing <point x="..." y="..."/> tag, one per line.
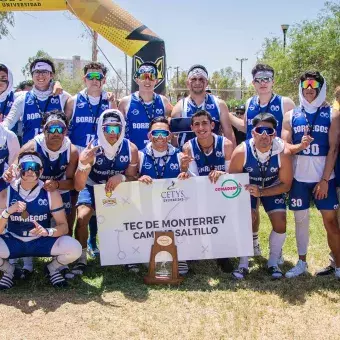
<point x="337" y="273"/>
<point x="257" y="250"/>
<point x="299" y="269"/>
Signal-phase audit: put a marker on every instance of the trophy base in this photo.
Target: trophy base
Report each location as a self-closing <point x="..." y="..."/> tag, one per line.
<point x="159" y="281"/>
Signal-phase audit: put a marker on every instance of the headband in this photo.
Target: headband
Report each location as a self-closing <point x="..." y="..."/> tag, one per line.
<point x="147" y="69"/>
<point x="264" y="74"/>
<point x="54" y="118"/>
<point x="111" y="120"/>
<point x="197" y="72"/>
<point x="30" y="158"/>
<point x="42" y="66"/>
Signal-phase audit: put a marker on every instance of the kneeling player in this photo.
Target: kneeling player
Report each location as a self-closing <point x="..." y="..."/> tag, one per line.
<point x="28" y="216"/>
<point x="270" y="174"/>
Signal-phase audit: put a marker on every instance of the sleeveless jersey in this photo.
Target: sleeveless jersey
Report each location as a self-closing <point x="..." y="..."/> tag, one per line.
<point x="215" y="160"/>
<point x="251" y="167"/>
<point x="275" y="107"/>
<point x="32" y="117"/>
<point x="321" y="122"/>
<point x="189" y="109"/>
<point x="56" y="169"/>
<point x="172" y="167"/>
<point x="104" y="168"/>
<point x="138" y="120"/>
<point x="5" y="107"/>
<point x="83" y="125"/>
<point x="4" y="154"/>
<point x="38" y="209"/>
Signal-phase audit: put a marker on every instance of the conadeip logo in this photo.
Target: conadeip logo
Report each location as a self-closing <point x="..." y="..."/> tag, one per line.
<point x="230" y="188"/>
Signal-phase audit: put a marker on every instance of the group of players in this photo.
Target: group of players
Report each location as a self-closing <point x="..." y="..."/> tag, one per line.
<point x="71" y="143"/>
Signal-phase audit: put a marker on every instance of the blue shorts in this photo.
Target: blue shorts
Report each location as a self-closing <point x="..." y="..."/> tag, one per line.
<point x="40" y="247"/>
<point x="270" y="203"/>
<point x="86" y="196"/>
<point x="3" y="184"/>
<point x="66" y="197"/>
<point x="302" y="193"/>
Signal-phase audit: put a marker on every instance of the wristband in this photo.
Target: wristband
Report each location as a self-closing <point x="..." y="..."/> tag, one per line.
<point x="123" y="178"/>
<point x="5" y="214"/>
<point x="324" y="179"/>
<point x="58" y="185"/>
<point x="50" y="231"/>
<point x="82" y="167"/>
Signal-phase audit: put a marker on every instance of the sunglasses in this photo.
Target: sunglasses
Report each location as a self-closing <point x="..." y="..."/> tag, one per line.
<point x="55" y="129"/>
<point x="160" y="133"/>
<point x="264" y="129"/>
<point x="94" y="75"/>
<point x="145" y="76"/>
<point x="310" y="82"/>
<point x="33" y="166"/>
<point x="263" y="79"/>
<point x="112" y="129"/>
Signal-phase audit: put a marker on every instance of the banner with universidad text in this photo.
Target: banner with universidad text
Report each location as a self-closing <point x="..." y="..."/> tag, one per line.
<point x="32" y="5"/>
<point x="208" y="220"/>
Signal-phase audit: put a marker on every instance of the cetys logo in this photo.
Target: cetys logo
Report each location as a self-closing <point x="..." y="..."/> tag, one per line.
<point x="230" y="188"/>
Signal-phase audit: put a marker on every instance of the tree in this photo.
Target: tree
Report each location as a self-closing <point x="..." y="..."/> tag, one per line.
<point x="313" y="45"/>
<point x="115" y="85"/>
<point x="6" y="19"/>
<point x="225" y="81"/>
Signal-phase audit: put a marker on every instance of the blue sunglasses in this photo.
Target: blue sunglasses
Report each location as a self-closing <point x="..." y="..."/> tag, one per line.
<point x="55" y="129"/>
<point x="160" y="133"/>
<point x="33" y="166"/>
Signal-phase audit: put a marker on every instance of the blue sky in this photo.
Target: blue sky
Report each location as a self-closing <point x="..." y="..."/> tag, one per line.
<point x="213" y="33"/>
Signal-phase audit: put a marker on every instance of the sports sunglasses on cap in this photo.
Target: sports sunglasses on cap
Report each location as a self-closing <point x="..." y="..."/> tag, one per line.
<point x="160" y="133"/>
<point x="94" y="75"/>
<point x="264" y="129"/>
<point x="310" y="82"/>
<point x="110" y="129"/>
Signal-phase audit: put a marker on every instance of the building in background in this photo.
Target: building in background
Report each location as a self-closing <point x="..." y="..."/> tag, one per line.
<point x="70" y="67"/>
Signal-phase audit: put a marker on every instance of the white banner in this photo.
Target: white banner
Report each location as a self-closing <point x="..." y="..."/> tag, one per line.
<point x="208" y="220"/>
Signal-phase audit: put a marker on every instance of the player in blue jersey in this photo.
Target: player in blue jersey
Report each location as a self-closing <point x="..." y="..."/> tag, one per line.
<point x="312" y="132"/>
<point x="269" y="166"/>
<point x="83" y="111"/>
<point x="6" y="91"/>
<point x="60" y="159"/>
<point x="265" y="100"/>
<point x="159" y="159"/>
<point x="209" y="155"/>
<point x="27" y="216"/>
<point x="31" y="106"/>
<point x="141" y="107"/>
<point x="198" y="100"/>
<point x="111" y="159"/>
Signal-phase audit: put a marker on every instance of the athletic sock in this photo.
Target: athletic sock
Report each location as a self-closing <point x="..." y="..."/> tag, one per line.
<point x="302" y="230"/>
<point x="28" y="263"/>
<point x="255" y="239"/>
<point x="276" y="242"/>
<point x="54" y="266"/>
<point x="83" y="256"/>
<point x="7" y="268"/>
<point x="244" y="262"/>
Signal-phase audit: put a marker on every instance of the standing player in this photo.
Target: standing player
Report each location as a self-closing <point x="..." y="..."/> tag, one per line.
<point x="111" y="159"/>
<point x="28" y="214"/>
<point x="270" y="175"/>
<point x="83" y="111"/>
<point x="141" y="107"/>
<point x="313" y="136"/>
<point x="34" y="104"/>
<point x="209" y="154"/>
<point x="267" y="101"/>
<point x="166" y="163"/>
<point x="198" y="100"/>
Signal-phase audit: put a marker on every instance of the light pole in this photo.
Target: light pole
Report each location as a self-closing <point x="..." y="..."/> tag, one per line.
<point x="284" y="30"/>
<point x="241" y="60"/>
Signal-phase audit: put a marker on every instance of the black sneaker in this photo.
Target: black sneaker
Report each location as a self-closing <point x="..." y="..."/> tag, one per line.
<point x="132" y="268"/>
<point x="226" y="265"/>
<point x="56" y="279"/>
<point x="240" y="273"/>
<point x="275" y="272"/>
<point x="325" y="271"/>
<point x="79" y="268"/>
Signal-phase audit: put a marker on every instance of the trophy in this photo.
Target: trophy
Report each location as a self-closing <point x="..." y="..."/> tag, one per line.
<point x="166" y="270"/>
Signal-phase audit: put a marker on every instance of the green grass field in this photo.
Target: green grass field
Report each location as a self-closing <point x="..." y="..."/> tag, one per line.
<point x="108" y="303"/>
